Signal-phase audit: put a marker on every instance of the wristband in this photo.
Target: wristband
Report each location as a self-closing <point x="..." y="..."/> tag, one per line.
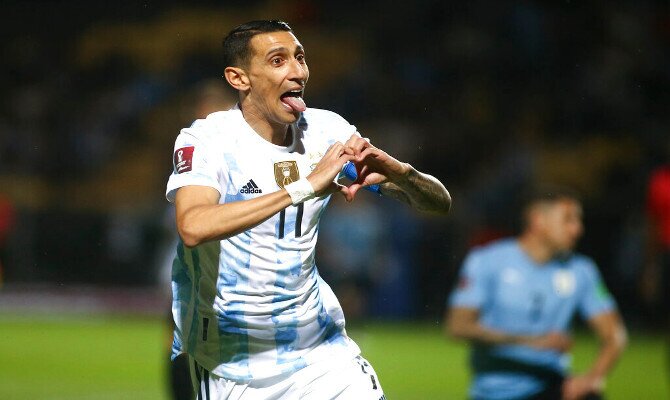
<point x="300" y="191"/>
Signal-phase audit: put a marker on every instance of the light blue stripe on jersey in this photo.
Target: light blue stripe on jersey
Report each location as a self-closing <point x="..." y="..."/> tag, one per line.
<point x="232" y="327"/>
<point x="176" y="348"/>
<point x="285" y="321"/>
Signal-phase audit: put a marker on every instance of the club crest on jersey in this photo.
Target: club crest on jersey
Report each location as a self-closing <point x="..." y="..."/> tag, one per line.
<point x="564" y="283"/>
<point x="183" y="159"/>
<point x="286" y="172"/>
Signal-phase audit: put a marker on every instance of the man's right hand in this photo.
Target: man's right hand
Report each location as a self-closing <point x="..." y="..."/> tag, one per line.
<point x="551" y="341"/>
<point x="322" y="178"/>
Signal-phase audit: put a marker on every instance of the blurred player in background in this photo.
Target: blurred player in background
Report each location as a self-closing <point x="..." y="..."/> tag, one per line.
<point x="655" y="277"/>
<point x="515" y="300"/>
<point x="7" y="220"/>
<point x="249" y="186"/>
<point x="655" y="283"/>
<point x="203" y="99"/>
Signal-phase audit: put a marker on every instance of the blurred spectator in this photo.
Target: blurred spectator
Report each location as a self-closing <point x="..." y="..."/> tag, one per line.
<point x="7" y="217"/>
<point x="201" y="100"/>
<point x="655" y="283"/>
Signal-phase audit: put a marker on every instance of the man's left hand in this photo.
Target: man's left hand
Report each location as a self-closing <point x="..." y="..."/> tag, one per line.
<point x="373" y="166"/>
<point x="577" y="387"/>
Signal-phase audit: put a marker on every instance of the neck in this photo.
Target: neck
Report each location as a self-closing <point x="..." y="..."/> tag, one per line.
<point x="536" y="249"/>
<point x="275" y="133"/>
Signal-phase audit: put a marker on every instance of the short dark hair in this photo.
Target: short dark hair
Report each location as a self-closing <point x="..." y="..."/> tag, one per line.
<point x="546" y="193"/>
<point x="236" y="49"/>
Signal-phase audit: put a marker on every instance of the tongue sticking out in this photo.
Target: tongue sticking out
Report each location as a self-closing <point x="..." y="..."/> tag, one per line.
<point x="296" y="103"/>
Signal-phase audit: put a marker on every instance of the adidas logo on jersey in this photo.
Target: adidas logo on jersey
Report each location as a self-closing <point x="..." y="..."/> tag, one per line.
<point x="250" y="187"/>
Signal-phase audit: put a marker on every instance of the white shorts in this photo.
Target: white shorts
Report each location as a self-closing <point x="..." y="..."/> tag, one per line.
<point x="353" y="379"/>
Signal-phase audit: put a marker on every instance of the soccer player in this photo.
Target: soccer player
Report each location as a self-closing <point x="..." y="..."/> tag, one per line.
<point x="515" y="300"/>
<point x="249" y="186"/>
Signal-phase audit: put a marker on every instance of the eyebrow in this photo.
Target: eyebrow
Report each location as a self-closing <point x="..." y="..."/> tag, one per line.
<point x="283" y="49"/>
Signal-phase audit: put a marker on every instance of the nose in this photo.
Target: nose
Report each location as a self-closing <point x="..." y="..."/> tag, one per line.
<point x="299" y="72"/>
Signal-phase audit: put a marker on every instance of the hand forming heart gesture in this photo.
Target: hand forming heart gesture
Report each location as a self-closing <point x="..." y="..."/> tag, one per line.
<point x="373" y="166"/>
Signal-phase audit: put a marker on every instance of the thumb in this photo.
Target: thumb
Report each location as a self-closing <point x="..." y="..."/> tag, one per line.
<point x="354" y="188"/>
<point x="344" y="191"/>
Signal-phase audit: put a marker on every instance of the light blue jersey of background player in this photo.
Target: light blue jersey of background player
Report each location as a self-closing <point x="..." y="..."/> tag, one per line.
<point x="515" y="301"/>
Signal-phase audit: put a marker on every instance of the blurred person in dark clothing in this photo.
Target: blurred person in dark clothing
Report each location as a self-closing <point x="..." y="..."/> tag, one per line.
<point x="515" y="301"/>
<point x="205" y="98"/>
<point x="7" y="218"/>
<point x="655" y="283"/>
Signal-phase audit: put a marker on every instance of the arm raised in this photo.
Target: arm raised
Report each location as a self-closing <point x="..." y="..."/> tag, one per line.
<point x="398" y="180"/>
<point x="200" y="217"/>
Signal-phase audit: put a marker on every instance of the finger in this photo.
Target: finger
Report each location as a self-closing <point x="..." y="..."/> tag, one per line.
<point x="357" y="143"/>
<point x="362" y="173"/>
<point x="344" y="191"/>
<point x="344" y="158"/>
<point x="352" y="139"/>
<point x="336" y="149"/>
<point x="365" y="153"/>
<point x="354" y="188"/>
<point x="360" y="144"/>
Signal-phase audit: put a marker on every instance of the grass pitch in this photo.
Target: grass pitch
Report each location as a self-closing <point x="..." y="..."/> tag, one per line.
<point x="101" y="358"/>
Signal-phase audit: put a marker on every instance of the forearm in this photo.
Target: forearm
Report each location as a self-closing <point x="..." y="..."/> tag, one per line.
<point x="612" y="335"/>
<point x="421" y="191"/>
<point x="609" y="353"/>
<point x="477" y="333"/>
<point x="463" y="323"/>
<point x="207" y="222"/>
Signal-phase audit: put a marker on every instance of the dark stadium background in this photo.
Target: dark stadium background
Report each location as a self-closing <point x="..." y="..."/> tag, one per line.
<point x="490" y="97"/>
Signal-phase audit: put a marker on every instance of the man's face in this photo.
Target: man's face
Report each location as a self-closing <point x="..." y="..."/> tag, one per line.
<point x="560" y="224"/>
<point x="277" y="74"/>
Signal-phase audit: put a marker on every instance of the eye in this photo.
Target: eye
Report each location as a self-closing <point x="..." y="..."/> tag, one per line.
<point x="276" y="60"/>
<point x="300" y="58"/>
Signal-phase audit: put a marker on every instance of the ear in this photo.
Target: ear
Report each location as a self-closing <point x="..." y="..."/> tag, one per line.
<point x="237" y="78"/>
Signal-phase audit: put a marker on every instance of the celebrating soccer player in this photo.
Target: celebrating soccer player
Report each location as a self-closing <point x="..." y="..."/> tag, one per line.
<point x="249" y="186"/>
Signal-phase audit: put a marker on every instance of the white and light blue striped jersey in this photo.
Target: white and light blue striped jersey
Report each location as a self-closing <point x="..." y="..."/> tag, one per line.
<point x="515" y="295"/>
<point x="253" y="306"/>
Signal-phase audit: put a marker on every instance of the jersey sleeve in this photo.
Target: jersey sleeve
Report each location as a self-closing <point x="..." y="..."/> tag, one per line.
<point x="595" y="299"/>
<point x="192" y="162"/>
<point x="341" y="129"/>
<point x="473" y="283"/>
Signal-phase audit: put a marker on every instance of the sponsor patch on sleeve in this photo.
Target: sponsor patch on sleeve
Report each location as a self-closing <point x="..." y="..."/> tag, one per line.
<point x="183" y="159"/>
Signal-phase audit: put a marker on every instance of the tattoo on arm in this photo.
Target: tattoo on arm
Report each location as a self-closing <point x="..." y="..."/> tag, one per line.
<point x="421" y="191"/>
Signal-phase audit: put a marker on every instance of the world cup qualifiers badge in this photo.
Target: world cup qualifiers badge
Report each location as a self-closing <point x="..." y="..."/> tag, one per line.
<point x="183" y="159"/>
